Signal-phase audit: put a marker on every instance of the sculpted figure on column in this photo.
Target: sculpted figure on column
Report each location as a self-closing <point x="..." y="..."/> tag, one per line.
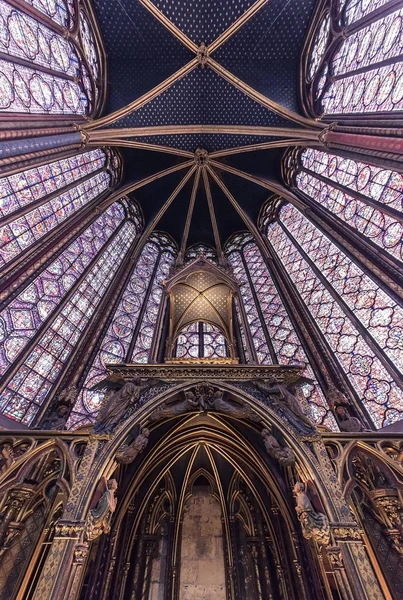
<point x="271" y="386"/>
<point x="315" y="525"/>
<point x="115" y="406"/>
<point x="285" y="456"/>
<point x="99" y="518"/>
<point x="127" y="453"/>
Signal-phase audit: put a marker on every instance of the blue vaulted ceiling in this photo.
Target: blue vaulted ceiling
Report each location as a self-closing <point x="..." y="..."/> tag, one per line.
<point x="141" y="53"/>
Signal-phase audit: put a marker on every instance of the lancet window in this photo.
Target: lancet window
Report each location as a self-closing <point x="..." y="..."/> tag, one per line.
<point x="354" y="58"/>
<point x="201" y="340"/>
<point x="365" y="197"/>
<point x="274" y="338"/>
<point x="129" y="335"/>
<point x="360" y="321"/>
<point x="42" y="326"/>
<point x="36" y="201"/>
<point x="50" y="64"/>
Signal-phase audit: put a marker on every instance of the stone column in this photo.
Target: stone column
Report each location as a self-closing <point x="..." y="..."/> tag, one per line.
<point x="61" y="575"/>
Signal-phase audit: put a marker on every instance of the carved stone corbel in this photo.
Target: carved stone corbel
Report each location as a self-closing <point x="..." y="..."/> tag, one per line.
<point x="390" y="508"/>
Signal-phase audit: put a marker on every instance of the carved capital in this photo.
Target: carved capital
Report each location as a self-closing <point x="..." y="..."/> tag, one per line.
<point x="69" y="530"/>
<point x="346" y="532"/>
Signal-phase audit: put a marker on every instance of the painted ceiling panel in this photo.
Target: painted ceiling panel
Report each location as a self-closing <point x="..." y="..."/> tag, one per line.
<point x="140" y="51"/>
<point x="202" y="97"/>
<point x="265" y="52"/>
<point x="202" y="20"/>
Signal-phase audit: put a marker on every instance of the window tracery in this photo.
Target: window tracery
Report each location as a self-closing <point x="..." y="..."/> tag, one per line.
<point x="332" y="180"/>
<point x="360" y="321"/>
<point x="201" y="250"/>
<point x="56" y="191"/>
<point x="269" y="322"/>
<point x="201" y="340"/>
<point x="356" y="69"/>
<point x="44" y="69"/>
<point x="55" y="309"/>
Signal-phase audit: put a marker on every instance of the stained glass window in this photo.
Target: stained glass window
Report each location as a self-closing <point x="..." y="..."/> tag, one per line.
<point x="269" y="323"/>
<point x="41" y="70"/>
<point x="116" y="342"/>
<point x="42" y="364"/>
<point x="364" y="70"/>
<point x="201" y="250"/>
<point x="129" y="335"/>
<point x="59" y="11"/>
<point x="332" y="182"/>
<point x="24" y="315"/>
<point x="36" y="201"/>
<point x="343" y="299"/>
<point x="201" y="340"/>
<point x="141" y="351"/>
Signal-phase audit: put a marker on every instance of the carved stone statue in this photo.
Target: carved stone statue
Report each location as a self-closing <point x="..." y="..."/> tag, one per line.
<point x="315" y="525"/>
<point x="127" y="453"/>
<point x="347" y="422"/>
<point x="285" y="456"/>
<point x="115" y="406"/>
<point x="60" y="410"/>
<point x="288" y="399"/>
<point x="7" y="457"/>
<point x="99" y="518"/>
<point x="243" y="411"/>
<point x="336" y="398"/>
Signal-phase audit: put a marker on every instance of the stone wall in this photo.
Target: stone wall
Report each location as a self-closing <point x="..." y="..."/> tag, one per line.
<point x="202" y="569"/>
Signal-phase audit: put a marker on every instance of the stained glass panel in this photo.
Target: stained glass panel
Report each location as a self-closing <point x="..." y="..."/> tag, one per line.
<point x="41" y="71"/>
<point x="353" y="10"/>
<point x="319" y="47"/>
<point x="374" y="308"/>
<point x="116" y="342"/>
<point x="31" y="308"/>
<point x="24" y="37"/>
<point x="145" y="336"/>
<point x="365" y="71"/>
<point x="382" y="185"/>
<point x="201" y="250"/>
<point x="24" y="231"/>
<point x="201" y="340"/>
<point x="372" y="382"/>
<point x="21" y="189"/>
<point x="252" y="314"/>
<point x="286" y="344"/>
<point x="59" y="11"/>
<point x="29" y="387"/>
<point x="89" y="45"/>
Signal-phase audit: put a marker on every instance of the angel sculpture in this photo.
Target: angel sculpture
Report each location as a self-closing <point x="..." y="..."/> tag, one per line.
<point x="285" y="456"/>
<point x="347" y="422"/>
<point x="99" y="518"/>
<point x="315" y="525"/>
<point x="272" y="387"/>
<point x="127" y="453"/>
<point x="115" y="406"/>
